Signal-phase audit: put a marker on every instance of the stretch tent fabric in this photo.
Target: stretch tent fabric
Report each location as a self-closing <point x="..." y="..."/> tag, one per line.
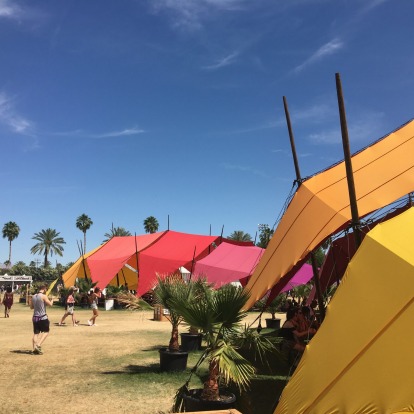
<point x="383" y="173"/>
<point x="116" y="262"/>
<point x="79" y="269"/>
<point x="301" y="277"/>
<point x="228" y="263"/>
<point x="360" y="360"/>
<point x="131" y="259"/>
<point x="171" y="251"/>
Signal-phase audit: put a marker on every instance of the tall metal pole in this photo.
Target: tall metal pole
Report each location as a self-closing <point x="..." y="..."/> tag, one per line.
<point x="348" y="163"/>
<point x="299" y="181"/>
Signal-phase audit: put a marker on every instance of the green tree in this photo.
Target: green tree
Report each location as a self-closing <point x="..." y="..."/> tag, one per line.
<point x="84" y="223"/>
<point x="49" y="242"/>
<point x="151" y="224"/>
<point x="219" y="317"/>
<point x="265" y="234"/>
<point x="239" y="235"/>
<point x="116" y="232"/>
<point x="10" y="232"/>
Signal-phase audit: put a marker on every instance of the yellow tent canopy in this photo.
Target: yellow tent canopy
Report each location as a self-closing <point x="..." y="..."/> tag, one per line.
<point x="77" y="270"/>
<point x="383" y="173"/>
<point x="360" y="360"/>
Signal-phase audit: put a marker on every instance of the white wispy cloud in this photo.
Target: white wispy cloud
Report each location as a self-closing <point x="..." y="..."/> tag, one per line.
<point x="245" y="169"/>
<point x="366" y="129"/>
<point x="9" y="9"/>
<point x="225" y="61"/>
<point x="190" y="14"/>
<point x="11" y="119"/>
<point x="325" y="50"/>
<point x="315" y="113"/>
<point x="78" y="133"/>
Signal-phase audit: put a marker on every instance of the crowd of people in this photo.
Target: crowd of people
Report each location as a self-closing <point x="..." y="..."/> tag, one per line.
<point x="39" y="303"/>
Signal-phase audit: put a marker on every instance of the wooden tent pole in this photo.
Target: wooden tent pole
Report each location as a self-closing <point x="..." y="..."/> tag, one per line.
<point x="192" y="262"/>
<point x="83" y="258"/>
<point x="292" y="142"/>
<point x="136" y="258"/>
<point x="348" y="164"/>
<point x="299" y="182"/>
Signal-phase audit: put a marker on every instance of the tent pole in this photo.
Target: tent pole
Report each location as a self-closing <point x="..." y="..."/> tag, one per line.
<point x="168" y="222"/>
<point x="192" y="263"/>
<point x="292" y="141"/>
<point x="221" y="235"/>
<point x="136" y="254"/>
<point x="348" y="164"/>
<point x="83" y="258"/>
<point x="299" y="182"/>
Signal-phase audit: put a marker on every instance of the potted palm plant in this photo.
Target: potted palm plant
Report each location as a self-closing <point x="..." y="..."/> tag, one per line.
<point x="170" y="290"/>
<point x="219" y="317"/>
<point x="273" y="307"/>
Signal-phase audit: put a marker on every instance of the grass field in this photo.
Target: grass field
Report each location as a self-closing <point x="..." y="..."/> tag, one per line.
<point x="112" y="367"/>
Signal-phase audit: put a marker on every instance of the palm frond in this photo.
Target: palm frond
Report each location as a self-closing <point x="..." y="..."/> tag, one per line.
<point x="133" y="302"/>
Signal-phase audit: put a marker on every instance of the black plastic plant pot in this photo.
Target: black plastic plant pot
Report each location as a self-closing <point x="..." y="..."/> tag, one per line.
<point x="191" y="342"/>
<point x="193" y="403"/>
<point x="173" y="361"/>
<point x="272" y="323"/>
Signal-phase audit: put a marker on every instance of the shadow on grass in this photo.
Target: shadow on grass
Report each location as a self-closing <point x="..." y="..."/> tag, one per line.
<point x="23" y="351"/>
<point x="136" y="369"/>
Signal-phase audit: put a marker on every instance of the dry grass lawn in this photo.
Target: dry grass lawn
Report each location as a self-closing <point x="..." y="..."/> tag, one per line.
<point x="113" y="367"/>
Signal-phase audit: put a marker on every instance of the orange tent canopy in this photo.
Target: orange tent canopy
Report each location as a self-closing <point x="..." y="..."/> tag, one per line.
<point x="383" y="173"/>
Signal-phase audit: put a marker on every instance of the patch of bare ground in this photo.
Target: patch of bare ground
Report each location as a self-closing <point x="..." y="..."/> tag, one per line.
<point x="109" y="368"/>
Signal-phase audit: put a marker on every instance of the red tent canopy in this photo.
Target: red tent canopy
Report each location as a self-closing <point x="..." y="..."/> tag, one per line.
<point x="170" y="252"/>
<point x="105" y="263"/>
<point x="228" y="263"/>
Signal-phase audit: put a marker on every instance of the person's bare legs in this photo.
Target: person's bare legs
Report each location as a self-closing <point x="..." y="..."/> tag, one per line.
<point x="95" y="315"/>
<point x="63" y="318"/>
<point x="43" y="336"/>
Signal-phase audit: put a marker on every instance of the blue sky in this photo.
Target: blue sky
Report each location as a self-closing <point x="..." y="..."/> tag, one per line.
<point x="122" y="110"/>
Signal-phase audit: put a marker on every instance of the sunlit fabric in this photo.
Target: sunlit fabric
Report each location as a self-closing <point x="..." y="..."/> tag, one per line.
<point x="383" y="173"/>
<point x="228" y="263"/>
<point x="169" y="253"/>
<point x="79" y="269"/>
<point x="360" y="360"/>
<point x="107" y="265"/>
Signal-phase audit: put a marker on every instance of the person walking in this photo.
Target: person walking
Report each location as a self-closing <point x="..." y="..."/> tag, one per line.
<point x="70" y="308"/>
<point x="93" y="300"/>
<point x="40" y="319"/>
<point x="8" y="301"/>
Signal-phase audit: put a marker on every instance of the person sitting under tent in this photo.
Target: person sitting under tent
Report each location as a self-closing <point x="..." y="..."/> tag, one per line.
<point x="293" y="344"/>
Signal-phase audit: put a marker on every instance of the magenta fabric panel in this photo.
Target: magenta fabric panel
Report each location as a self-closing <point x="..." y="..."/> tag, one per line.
<point x="228" y="263"/>
<point x="302" y="276"/>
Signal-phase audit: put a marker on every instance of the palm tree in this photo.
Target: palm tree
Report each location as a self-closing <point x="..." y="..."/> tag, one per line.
<point x="173" y="288"/>
<point x="10" y="232"/>
<point x="151" y="224"/>
<point x="239" y="235"/>
<point x="83" y="223"/>
<point x="48" y="242"/>
<point x="218" y="316"/>
<point x="116" y="232"/>
<point x="265" y="234"/>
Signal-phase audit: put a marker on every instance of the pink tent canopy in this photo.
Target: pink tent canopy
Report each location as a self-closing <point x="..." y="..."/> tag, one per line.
<point x="228" y="263"/>
<point x="301" y="277"/>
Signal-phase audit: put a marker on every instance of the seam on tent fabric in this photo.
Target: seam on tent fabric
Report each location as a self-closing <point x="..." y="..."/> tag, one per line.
<point x="356" y="358"/>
